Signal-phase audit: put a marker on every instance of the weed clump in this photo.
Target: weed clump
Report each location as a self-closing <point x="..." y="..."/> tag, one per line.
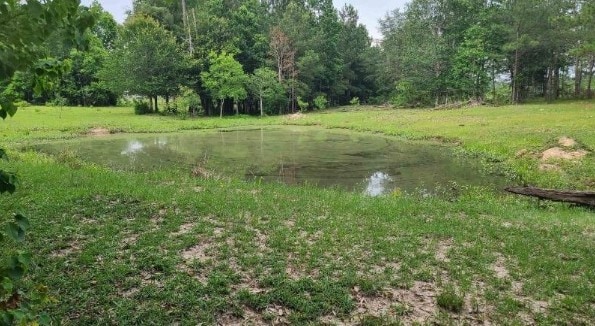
<point x="449" y="300"/>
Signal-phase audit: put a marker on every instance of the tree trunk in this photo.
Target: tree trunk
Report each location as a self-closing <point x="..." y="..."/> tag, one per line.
<point x="494" y="83"/>
<point x="156" y="105"/>
<point x="221" y="108"/>
<point x="549" y="84"/>
<point x="578" y="197"/>
<point x="260" y="105"/>
<point x="515" y="74"/>
<point x="590" y="77"/>
<point x="556" y="84"/>
<point x="578" y="77"/>
<point x="151" y="103"/>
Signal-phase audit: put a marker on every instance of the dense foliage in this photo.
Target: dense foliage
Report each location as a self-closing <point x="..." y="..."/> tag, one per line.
<point x="434" y="52"/>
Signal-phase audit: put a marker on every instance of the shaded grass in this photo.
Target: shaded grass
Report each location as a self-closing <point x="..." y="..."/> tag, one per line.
<point x="164" y="247"/>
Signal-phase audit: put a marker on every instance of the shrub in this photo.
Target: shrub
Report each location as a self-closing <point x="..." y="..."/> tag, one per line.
<point x="57" y="101"/>
<point x="22" y="104"/>
<point x="301" y="103"/>
<point x="354" y="101"/>
<point x="190" y="101"/>
<point x="142" y="107"/>
<point x="320" y="102"/>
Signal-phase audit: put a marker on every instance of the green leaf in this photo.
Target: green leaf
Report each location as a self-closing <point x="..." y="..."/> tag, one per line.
<point x="44" y="319"/>
<point x="7" y="182"/>
<point x="21" y="221"/>
<point x="15" y="232"/>
<point x="3" y="155"/>
<point x="15" y="270"/>
<point x="24" y="258"/>
<point x="8" y="108"/>
<point x="7" y="285"/>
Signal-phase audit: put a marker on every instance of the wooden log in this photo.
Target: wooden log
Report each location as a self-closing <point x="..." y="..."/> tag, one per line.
<point x="569" y="196"/>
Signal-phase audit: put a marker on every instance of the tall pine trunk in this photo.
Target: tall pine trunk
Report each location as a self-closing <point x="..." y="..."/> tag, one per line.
<point x="221" y="108"/>
<point x="515" y="77"/>
<point x="578" y="77"/>
<point x="590" y="77"/>
<point x="260" y="105"/>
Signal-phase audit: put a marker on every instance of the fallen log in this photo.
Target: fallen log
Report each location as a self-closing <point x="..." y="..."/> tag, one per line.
<point x="568" y="196"/>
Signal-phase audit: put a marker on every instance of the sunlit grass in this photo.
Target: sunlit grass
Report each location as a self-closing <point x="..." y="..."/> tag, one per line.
<point x="166" y="247"/>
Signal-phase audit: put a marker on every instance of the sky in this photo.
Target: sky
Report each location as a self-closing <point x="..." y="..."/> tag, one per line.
<point x="370" y="11"/>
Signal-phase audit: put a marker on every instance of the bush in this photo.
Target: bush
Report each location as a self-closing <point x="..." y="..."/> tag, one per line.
<point x="190" y="101"/>
<point x="142" y="107"/>
<point x="301" y="103"/>
<point x="57" y="101"/>
<point x="22" y="104"/>
<point x="354" y="101"/>
<point x="320" y="102"/>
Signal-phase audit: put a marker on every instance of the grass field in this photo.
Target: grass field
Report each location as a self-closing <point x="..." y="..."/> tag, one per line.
<point x="168" y="248"/>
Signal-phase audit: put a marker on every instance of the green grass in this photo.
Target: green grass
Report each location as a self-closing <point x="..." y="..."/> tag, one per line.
<point x="164" y="247"/>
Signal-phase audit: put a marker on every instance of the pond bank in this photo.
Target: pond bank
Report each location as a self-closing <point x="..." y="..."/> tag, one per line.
<point x="160" y="247"/>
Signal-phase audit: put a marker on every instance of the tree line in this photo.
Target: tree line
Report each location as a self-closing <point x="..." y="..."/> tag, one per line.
<point x="219" y="57"/>
<point x="507" y="50"/>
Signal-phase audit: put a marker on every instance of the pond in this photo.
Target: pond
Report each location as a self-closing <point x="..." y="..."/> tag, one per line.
<point x="371" y="164"/>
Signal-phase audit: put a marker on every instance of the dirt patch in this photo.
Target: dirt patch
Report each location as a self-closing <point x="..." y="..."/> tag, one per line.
<point x="129" y="240"/>
<point x="567" y="142"/>
<point x="202" y="172"/>
<point x="73" y="247"/>
<point x="295" y="116"/>
<point x="522" y="153"/>
<point x="184" y="229"/>
<point x="249" y="318"/>
<point x="129" y="293"/>
<point x="148" y="278"/>
<point x="499" y="267"/>
<point x="198" y="252"/>
<point x="414" y="305"/>
<point x="549" y="167"/>
<point x="560" y="153"/>
<point x="442" y="250"/>
<point x="98" y="131"/>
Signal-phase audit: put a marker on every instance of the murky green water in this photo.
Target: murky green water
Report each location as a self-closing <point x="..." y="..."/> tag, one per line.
<point x="365" y="163"/>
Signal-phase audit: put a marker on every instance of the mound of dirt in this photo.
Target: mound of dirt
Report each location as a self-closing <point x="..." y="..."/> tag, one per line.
<point x="567" y="142"/>
<point x="560" y="153"/>
<point x="295" y="116"/>
<point x="98" y="132"/>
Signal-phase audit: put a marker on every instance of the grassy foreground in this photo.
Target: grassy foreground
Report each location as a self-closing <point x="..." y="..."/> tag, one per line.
<point x="165" y="247"/>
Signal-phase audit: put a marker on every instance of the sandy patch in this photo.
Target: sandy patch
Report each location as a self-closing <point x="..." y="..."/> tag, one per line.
<point x="184" y="229"/>
<point x="522" y="153"/>
<point x="559" y="153"/>
<point x="295" y="116"/>
<point x="499" y="267"/>
<point x="250" y="318"/>
<point x="73" y="247"/>
<point x="198" y="252"/>
<point x="98" y="131"/>
<point x="566" y="142"/>
<point x="442" y="250"/>
<point x="419" y="303"/>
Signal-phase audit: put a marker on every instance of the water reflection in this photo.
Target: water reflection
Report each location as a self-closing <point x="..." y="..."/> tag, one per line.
<point x="363" y="163"/>
<point x="379" y="183"/>
<point x="133" y="147"/>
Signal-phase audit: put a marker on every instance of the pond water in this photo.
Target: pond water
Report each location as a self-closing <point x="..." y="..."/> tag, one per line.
<point x="371" y="164"/>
